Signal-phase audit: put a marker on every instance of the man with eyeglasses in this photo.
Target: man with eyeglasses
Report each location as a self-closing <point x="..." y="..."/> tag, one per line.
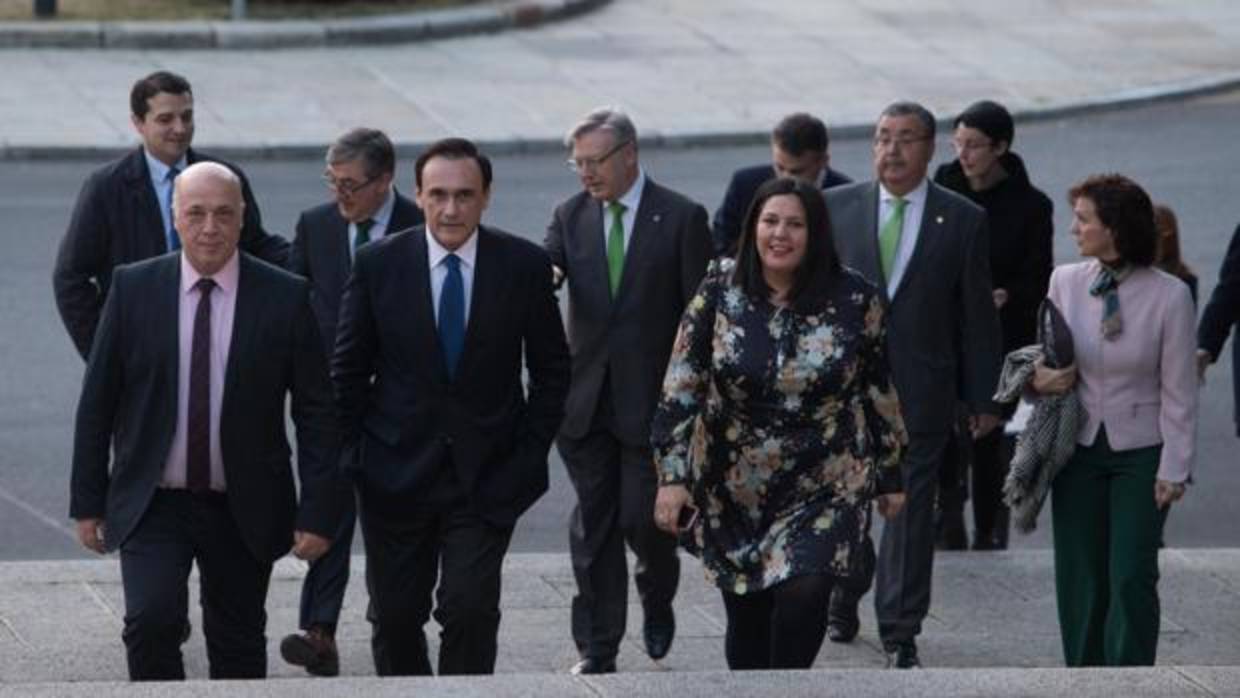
<point x="633" y="253"/>
<point x="800" y="149"/>
<point x="365" y="206"/>
<point x="926" y="249"/>
<point x="124" y="211"/>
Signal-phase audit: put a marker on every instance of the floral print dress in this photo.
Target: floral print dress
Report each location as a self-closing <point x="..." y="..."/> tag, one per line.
<point x="783" y="425"/>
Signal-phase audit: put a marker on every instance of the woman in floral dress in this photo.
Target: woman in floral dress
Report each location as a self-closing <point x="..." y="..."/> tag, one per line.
<point x="779" y="423"/>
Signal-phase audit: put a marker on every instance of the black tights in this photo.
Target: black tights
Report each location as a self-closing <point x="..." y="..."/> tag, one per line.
<point x="777" y="628"/>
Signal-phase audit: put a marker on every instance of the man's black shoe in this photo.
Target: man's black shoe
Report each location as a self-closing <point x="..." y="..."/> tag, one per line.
<point x="842" y="620"/>
<point x="315" y="650"/>
<point x="658" y="629"/>
<point x="902" y="655"/>
<point x="594" y="665"/>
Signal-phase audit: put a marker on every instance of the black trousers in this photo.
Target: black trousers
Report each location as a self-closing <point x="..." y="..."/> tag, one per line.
<point x="777" y="628"/>
<point x="407" y="549"/>
<point x="322" y="593"/>
<point x="177" y="529"/>
<point x="616" y="486"/>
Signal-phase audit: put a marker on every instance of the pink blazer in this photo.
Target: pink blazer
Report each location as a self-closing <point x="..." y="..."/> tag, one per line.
<point x="1143" y="383"/>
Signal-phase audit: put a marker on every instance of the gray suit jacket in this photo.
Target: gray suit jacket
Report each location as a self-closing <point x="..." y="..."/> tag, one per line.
<point x="942" y="328"/>
<point x="627" y="339"/>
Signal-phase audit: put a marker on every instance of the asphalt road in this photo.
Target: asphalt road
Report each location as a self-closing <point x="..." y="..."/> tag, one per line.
<point x="1184" y="154"/>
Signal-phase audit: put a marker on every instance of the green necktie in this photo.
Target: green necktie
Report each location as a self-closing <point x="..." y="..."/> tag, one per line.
<point x="889" y="236"/>
<point x="363" y="233"/>
<point x="615" y="246"/>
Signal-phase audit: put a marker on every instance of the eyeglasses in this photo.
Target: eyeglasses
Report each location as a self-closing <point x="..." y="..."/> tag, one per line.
<point x="887" y="142"/>
<point x="962" y="146"/>
<point x="346" y="186"/>
<point x="582" y="164"/>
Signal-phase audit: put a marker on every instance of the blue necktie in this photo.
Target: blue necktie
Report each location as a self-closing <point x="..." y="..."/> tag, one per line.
<point x="452" y="313"/>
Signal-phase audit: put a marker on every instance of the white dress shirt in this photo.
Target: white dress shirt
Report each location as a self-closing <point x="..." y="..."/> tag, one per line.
<point x="914" y="208"/>
<point x="631" y="200"/>
<point x="435" y="253"/>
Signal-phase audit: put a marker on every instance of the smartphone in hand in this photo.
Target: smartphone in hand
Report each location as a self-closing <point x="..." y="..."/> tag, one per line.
<point x="687" y="518"/>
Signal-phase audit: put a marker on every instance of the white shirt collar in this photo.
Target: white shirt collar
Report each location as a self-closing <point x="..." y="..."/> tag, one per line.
<point x="633" y="197"/>
<point x="467" y="252"/>
<point x="383" y="214"/>
<point x="915" y="197"/>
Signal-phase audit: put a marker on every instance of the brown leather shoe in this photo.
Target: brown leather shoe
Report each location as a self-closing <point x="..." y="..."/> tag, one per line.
<point x="315" y="649"/>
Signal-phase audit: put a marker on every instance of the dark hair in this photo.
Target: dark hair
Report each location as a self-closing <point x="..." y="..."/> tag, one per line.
<point x="1124" y="207"/>
<point x="821" y="264"/>
<point x="454" y="149"/>
<point x="369" y="145"/>
<point x="1167" y="255"/>
<point x="153" y="84"/>
<point x="991" y="118"/>
<point x="912" y="109"/>
<point x="800" y="133"/>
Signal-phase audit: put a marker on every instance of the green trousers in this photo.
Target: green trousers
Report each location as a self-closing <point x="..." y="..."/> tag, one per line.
<point x="1107" y="530"/>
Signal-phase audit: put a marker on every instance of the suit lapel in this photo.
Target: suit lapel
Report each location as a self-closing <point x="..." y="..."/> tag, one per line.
<point x="148" y="230"/>
<point x="245" y="327"/>
<point x="339" y="257"/>
<point x="931" y="218"/>
<point x="868" y="255"/>
<point x="166" y="309"/>
<point x="404" y="215"/>
<point x="594" y="278"/>
<point x="482" y="294"/>
<point x="417" y="287"/>
<point x="646" y="223"/>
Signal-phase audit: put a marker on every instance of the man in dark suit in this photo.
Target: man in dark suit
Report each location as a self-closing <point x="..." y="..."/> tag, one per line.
<point x="800" y="148"/>
<point x="633" y="253"/>
<point x="123" y="213"/>
<point x="1222" y="315"/>
<point x="186" y="384"/>
<point x="448" y="447"/>
<point x="361" y="165"/>
<point x="926" y="249"/>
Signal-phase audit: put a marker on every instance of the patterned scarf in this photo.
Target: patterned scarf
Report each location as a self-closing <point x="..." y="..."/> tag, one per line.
<point x="1107" y="285"/>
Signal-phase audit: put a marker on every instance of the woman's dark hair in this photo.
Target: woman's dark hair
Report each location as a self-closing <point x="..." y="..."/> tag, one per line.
<point x="1124" y="207"/>
<point x="1168" y="257"/>
<point x="821" y="264"/>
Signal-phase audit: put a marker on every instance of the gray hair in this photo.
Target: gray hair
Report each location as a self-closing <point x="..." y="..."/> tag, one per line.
<point x="604" y="118"/>
<point x="912" y="109"/>
<point x="369" y="145"/>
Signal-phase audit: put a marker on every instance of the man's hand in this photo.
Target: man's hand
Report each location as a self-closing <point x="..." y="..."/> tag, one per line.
<point x="667" y="505"/>
<point x="1053" y="381"/>
<point x="90" y="534"/>
<point x="982" y="424"/>
<point x="1000" y="296"/>
<point x="889" y="504"/>
<point x="1166" y="492"/>
<point x="1204" y="359"/>
<point x="309" y="546"/>
<point x="557" y="276"/>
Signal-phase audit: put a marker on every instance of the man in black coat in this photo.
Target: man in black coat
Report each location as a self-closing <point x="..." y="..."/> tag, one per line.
<point x="632" y="253"/>
<point x="361" y="166"/>
<point x="1222" y="315"/>
<point x="186" y="385"/>
<point x="800" y="148"/>
<point x="446" y="445"/>
<point x="123" y="213"/>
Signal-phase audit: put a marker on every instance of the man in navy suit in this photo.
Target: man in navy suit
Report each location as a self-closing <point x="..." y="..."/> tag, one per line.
<point x="446" y="445"/>
<point x="180" y="452"/>
<point x="1222" y="315"/>
<point x="361" y="166"/>
<point x="124" y="211"/>
<point x="799" y="148"/>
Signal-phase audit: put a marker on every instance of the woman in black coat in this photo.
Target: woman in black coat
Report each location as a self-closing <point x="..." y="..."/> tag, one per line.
<point x="989" y="174"/>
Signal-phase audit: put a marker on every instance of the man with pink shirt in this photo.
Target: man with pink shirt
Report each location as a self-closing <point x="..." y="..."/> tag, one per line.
<point x="186" y="384"/>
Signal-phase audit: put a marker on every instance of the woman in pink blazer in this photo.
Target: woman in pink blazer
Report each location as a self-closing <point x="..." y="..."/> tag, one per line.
<point x="1133" y="329"/>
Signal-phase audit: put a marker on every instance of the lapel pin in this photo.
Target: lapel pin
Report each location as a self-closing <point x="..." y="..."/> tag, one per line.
<point x="655" y="218"/>
<point x="938" y="219"/>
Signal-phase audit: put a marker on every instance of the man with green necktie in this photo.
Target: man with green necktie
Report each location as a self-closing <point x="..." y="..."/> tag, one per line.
<point x="926" y="249"/>
<point x="365" y="206"/>
<point x="633" y="253"/>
